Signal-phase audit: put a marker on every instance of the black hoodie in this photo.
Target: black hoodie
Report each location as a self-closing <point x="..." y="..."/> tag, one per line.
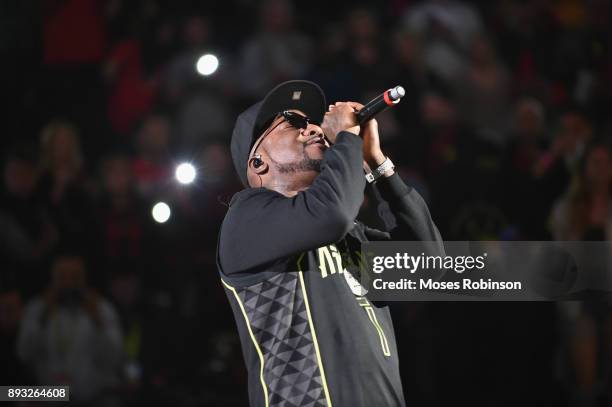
<point x="290" y="269"/>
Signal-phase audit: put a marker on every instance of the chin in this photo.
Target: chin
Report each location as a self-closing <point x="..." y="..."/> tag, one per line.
<point x="316" y="151"/>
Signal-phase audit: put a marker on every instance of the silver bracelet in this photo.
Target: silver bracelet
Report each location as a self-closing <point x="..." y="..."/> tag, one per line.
<point x="378" y="172"/>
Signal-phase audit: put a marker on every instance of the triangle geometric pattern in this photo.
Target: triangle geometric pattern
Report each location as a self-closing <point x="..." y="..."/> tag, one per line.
<point x="277" y="314"/>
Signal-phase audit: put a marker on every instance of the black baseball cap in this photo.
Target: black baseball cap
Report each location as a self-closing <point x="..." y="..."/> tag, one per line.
<point x="297" y="94"/>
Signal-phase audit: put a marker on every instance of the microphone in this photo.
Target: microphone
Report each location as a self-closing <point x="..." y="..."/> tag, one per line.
<point x="388" y="98"/>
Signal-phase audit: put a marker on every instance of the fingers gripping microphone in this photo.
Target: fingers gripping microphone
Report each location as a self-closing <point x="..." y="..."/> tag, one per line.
<point x="389" y="98"/>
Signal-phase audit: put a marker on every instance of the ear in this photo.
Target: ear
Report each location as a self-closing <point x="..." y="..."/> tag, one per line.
<point x="259" y="170"/>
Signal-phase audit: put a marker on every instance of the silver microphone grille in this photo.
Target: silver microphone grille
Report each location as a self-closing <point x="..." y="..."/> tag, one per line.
<point x="397" y="93"/>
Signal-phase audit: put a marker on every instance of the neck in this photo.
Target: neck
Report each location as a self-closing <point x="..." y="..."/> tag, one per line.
<point x="291" y="185"/>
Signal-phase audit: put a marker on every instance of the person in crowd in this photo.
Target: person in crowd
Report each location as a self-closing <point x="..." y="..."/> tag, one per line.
<point x="585" y="211"/>
<point x="28" y="235"/>
<point x="408" y="70"/>
<point x="446" y="29"/>
<point x="65" y="188"/>
<point x="366" y="51"/>
<point x="181" y="73"/>
<point x="483" y="94"/>
<point x="555" y="168"/>
<point x="125" y="225"/>
<point x="449" y="152"/>
<point x="276" y="52"/>
<point x="133" y="89"/>
<point x="70" y="335"/>
<point x="152" y="164"/>
<point x="526" y="142"/>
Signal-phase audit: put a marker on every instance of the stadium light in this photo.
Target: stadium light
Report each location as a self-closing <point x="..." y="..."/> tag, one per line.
<point x="161" y="212"/>
<point x="207" y="64"/>
<point x="185" y="173"/>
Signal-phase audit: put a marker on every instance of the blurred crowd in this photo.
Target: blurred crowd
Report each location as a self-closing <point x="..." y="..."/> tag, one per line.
<point x="505" y="130"/>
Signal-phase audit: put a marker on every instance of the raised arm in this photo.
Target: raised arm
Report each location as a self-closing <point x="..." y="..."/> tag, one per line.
<point x="401" y="207"/>
<point x="406" y="215"/>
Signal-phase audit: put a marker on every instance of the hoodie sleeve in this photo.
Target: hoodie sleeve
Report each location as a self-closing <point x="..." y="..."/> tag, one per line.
<point x="263" y="225"/>
<point x="405" y="213"/>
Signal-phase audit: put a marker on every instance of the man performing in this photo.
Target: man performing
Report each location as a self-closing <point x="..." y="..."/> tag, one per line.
<point x="288" y="252"/>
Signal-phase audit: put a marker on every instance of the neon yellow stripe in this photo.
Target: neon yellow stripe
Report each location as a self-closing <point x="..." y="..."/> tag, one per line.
<point x="314" y="339"/>
<point x="363" y="304"/>
<point x="381" y="333"/>
<point x="261" y="359"/>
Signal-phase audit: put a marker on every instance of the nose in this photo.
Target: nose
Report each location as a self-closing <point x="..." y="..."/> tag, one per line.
<point x="312" y="130"/>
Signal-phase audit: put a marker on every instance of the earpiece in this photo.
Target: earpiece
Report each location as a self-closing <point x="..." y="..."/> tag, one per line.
<point x="257" y="162"/>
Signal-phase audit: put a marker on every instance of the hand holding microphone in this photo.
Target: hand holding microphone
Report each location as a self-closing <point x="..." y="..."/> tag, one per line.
<point x="372" y="152"/>
<point x="362" y="113"/>
<point x="340" y="117"/>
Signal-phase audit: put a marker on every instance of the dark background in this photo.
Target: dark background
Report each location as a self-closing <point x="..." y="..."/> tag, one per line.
<point x="505" y="130"/>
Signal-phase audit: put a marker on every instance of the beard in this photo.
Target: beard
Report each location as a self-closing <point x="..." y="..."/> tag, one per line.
<point x="305" y="164"/>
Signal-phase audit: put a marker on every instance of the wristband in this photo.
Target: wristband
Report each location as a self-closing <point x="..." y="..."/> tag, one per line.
<point x="378" y="172"/>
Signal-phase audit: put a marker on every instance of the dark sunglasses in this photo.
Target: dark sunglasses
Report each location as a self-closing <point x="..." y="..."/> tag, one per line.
<point x="295" y="119"/>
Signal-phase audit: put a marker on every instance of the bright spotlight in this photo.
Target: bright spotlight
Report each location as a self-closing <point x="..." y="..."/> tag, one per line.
<point x="207" y="64"/>
<point x="161" y="212"/>
<point x="185" y="173"/>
